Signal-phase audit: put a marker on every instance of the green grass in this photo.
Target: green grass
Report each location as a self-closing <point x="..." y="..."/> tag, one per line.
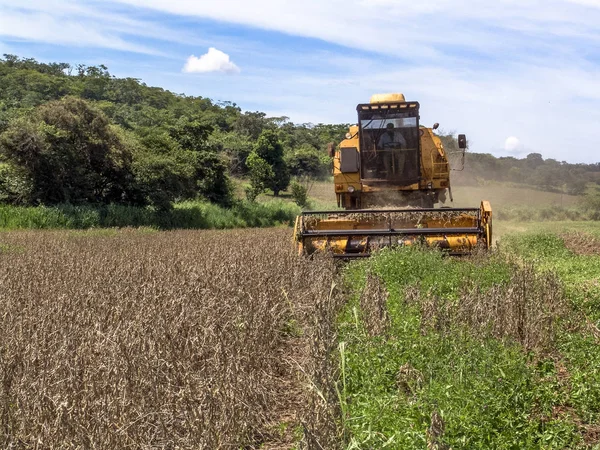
<point x="559" y="226"/>
<point x="507" y="195"/>
<point x="191" y="214"/>
<point x="490" y="391"/>
<point x="551" y="213"/>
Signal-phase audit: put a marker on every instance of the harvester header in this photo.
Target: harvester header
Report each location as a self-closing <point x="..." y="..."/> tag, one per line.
<point x="357" y="233"/>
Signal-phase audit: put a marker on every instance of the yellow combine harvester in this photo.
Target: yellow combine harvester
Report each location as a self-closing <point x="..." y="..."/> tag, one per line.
<point x="388" y="174"/>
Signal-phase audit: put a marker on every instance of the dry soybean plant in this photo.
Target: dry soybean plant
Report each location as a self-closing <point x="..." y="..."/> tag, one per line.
<point x="373" y="305"/>
<point x="163" y="340"/>
<point x="321" y="418"/>
<point x="526" y="309"/>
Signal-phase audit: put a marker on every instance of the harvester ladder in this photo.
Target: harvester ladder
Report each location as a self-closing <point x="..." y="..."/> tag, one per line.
<point x="439" y="169"/>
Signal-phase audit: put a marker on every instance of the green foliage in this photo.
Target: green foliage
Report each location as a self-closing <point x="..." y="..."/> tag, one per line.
<point x="266" y="166"/>
<point x="211" y="168"/>
<point x="164" y="177"/>
<point x="306" y="161"/>
<point x="591" y="203"/>
<point x="191" y="134"/>
<point x="189" y="214"/>
<point x="299" y="194"/>
<point x="251" y="124"/>
<point x="483" y="388"/>
<point x="268" y="151"/>
<point x="15" y="186"/>
<point x="181" y="147"/>
<point x="234" y="147"/>
<point x="70" y="153"/>
<point x="576" y="186"/>
<point x="578" y="343"/>
<point x="540" y="245"/>
<point x="488" y="391"/>
<point x="261" y="173"/>
<point x="213" y="181"/>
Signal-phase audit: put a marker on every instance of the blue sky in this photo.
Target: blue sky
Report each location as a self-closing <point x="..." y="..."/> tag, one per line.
<point x="515" y="76"/>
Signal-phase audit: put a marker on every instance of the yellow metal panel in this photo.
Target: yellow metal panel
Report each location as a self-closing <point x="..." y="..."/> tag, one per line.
<point x="411" y="187"/>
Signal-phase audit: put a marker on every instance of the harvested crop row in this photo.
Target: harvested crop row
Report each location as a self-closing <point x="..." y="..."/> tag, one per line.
<point x="173" y="340"/>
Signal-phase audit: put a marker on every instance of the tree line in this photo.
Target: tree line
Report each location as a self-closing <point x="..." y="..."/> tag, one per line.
<point x="79" y="135"/>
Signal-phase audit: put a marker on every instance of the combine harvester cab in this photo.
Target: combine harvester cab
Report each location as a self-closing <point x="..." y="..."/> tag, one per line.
<point x="355" y="234"/>
<point x="389" y="172"/>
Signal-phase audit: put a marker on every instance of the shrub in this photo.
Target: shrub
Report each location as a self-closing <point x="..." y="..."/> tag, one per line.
<point x="299" y="194"/>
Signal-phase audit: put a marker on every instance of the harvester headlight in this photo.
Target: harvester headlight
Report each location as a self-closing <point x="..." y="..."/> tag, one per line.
<point x="348" y="135"/>
<point x="351" y="189"/>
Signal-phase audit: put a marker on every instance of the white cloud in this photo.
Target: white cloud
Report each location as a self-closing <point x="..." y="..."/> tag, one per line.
<point x="213" y="61"/>
<point x="77" y="24"/>
<point x="512" y="144"/>
<point x="46" y="28"/>
<point x="472" y="24"/>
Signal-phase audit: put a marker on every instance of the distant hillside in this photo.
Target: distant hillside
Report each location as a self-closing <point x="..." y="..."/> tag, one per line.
<point x="533" y="170"/>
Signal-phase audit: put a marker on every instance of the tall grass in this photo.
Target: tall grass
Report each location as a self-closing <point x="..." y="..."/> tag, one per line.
<point x="185" y="215"/>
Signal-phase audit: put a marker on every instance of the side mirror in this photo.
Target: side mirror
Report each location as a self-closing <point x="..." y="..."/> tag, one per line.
<point x="436" y="126"/>
<point x="462" y="141"/>
<point x="331" y="149"/>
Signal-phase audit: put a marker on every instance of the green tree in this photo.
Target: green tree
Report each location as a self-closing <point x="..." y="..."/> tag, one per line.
<point x="269" y="149"/>
<point x="576" y="186"/>
<point x="15" y="186"/>
<point x="547" y="177"/>
<point x="211" y="168"/>
<point x="251" y="124"/>
<point x="235" y="147"/>
<point x="164" y="171"/>
<point x="307" y="161"/>
<point x="260" y="174"/>
<point x="163" y="178"/>
<point x="212" y="179"/>
<point x="534" y="160"/>
<point x="69" y="152"/>
<point x="299" y="194"/>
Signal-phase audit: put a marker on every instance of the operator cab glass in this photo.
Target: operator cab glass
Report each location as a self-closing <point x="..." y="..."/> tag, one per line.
<point x="389" y="147"/>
